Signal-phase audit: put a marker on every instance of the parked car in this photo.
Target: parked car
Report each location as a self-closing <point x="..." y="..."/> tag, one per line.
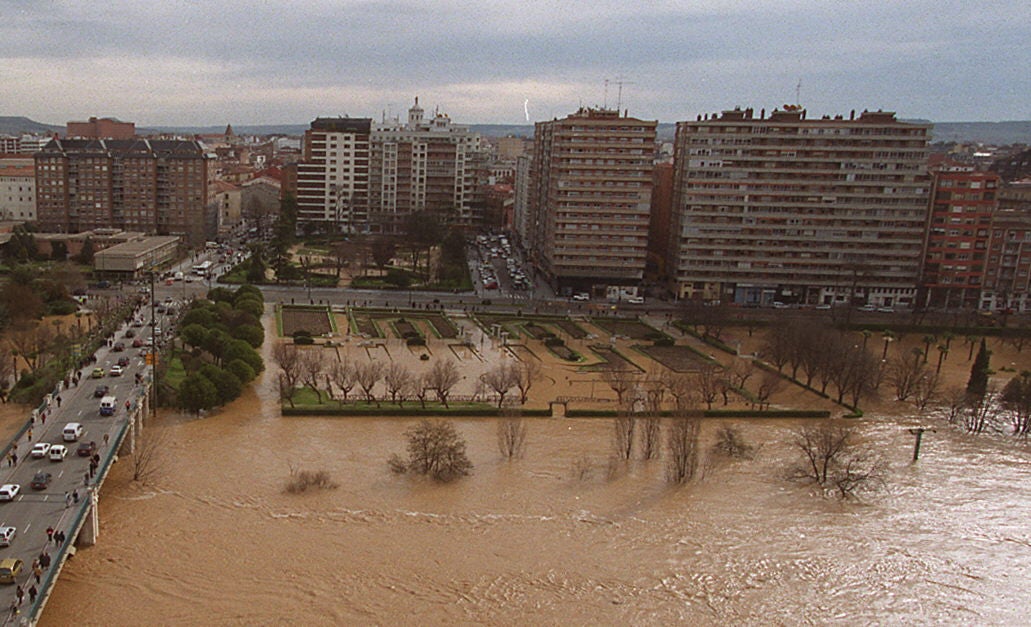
<point x="58" y="452"/>
<point x="40" y="450"/>
<point x="86" y="449"/>
<point x="7" y="535"/>
<point x="101" y="391"/>
<point x="10" y="568"/>
<point x="8" y="491"/>
<point x="41" y="480"/>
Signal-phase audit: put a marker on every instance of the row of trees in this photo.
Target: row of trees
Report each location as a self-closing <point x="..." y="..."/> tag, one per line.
<point x="22" y="247"/>
<point x="338" y="378"/>
<point x="222" y="334"/>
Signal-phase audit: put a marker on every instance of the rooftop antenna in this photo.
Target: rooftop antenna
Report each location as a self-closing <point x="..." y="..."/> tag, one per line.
<point x="798" y="92"/>
<point x="605" y="102"/>
<point x="620" y="81"/>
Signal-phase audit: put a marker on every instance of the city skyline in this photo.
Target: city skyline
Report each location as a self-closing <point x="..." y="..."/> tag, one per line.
<point x="183" y="64"/>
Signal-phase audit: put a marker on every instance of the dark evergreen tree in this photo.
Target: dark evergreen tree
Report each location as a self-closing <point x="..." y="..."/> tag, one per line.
<point x="977" y="385"/>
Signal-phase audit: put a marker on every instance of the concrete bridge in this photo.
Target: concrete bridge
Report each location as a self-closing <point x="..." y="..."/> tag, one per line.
<point x="70" y="502"/>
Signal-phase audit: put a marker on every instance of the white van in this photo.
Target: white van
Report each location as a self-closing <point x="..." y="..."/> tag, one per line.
<point x="72" y="432"/>
<point x="108" y="405"/>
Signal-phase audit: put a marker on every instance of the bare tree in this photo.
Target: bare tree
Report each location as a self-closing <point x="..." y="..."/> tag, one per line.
<point x="397" y="379"/>
<point x="311" y="366"/>
<point x="651" y="425"/>
<point x="904" y="373"/>
<point x="500" y="379"/>
<point x="740" y="372"/>
<point x="288" y="358"/>
<point x="682" y="444"/>
<point x="1016" y="399"/>
<point x="343" y="375"/>
<point x="8" y="375"/>
<point x="421" y="388"/>
<point x="953" y="403"/>
<point x="982" y="413"/>
<point x="730" y="443"/>
<point x="442" y="377"/>
<point x="527" y="373"/>
<point x="624" y="426"/>
<point x="435" y="449"/>
<point x="926" y="391"/>
<point x="621" y="382"/>
<point x="832" y="457"/>
<point x="147" y="461"/>
<point x="769" y="384"/>
<point x="511" y="435"/>
<point x="707" y="383"/>
<point x="368" y="374"/>
<point x="681" y="387"/>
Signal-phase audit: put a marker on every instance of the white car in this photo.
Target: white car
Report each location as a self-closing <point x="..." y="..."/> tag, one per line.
<point x="6" y="535"/>
<point x="58" y="452"/>
<point x="635" y="300"/>
<point x="40" y="450"/>
<point x="8" y="491"/>
<point x="581" y="296"/>
<point x="115" y="371"/>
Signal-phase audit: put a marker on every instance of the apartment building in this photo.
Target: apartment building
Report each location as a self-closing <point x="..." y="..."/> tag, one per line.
<point x="17" y="188"/>
<point x="333" y="175"/>
<point x="589" y="200"/>
<point x="795" y="210"/>
<point x="1007" y="278"/>
<point x="101" y="128"/>
<point x="152" y="186"/>
<point x="963" y="202"/>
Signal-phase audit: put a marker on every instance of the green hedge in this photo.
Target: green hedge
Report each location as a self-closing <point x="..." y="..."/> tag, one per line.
<point x="407" y="411"/>
<point x="710" y="413"/>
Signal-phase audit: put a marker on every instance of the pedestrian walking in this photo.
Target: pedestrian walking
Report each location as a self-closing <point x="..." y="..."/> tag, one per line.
<point x="20" y="593"/>
<point x="29" y="434"/>
<point x="14" y="608"/>
<point x="58" y="400"/>
<point x="14" y="459"/>
<point x="43" y="418"/>
<point x="85" y="478"/>
<point x="107" y="438"/>
<point x="50" y="534"/>
<point x="59" y="536"/>
<point x="67" y="499"/>
<point x="75" y="497"/>
<point x="44" y="559"/>
<point x="32" y="594"/>
<point x="37" y="572"/>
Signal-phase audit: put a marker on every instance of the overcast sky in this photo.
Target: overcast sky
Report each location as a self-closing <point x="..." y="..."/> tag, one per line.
<point x="257" y="62"/>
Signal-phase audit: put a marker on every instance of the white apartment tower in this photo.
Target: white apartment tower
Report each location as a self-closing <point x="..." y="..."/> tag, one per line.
<point x="806" y="211"/>
<point x="421" y="165"/>
<point x="333" y="175"/>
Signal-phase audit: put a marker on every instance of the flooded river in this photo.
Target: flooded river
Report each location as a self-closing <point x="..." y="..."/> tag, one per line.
<point x="215" y="540"/>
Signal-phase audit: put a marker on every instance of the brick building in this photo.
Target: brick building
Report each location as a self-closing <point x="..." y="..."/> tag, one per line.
<point x="101" y="128"/>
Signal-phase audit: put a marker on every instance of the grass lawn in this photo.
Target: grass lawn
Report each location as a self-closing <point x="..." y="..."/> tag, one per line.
<point x="175" y="374"/>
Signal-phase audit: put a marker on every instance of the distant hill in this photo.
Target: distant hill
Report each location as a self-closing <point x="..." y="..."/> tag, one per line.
<point x="1014" y="132"/>
<point x="10" y="125"/>
<point x="1010" y="132"/>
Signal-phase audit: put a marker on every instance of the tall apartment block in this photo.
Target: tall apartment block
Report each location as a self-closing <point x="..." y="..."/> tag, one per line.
<point x="963" y="203"/>
<point x="153" y="186"/>
<point x="422" y="165"/>
<point x="101" y="128"/>
<point x="1007" y="278"/>
<point x="333" y="175"/>
<point x="810" y="211"/>
<point x="589" y="201"/>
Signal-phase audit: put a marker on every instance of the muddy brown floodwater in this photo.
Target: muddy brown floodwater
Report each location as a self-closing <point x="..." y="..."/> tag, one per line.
<point x="216" y="540"/>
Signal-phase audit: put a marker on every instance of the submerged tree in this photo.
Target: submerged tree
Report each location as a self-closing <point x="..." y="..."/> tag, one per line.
<point x="833" y="458"/>
<point x="977" y="385"/>
<point x="436" y="450"/>
<point x="682" y="446"/>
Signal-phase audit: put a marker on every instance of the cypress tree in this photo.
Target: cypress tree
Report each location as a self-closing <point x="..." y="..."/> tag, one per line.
<point x="977" y="385"/>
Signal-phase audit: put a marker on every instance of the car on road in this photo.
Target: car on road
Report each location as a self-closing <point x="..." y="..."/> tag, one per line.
<point x="823" y="306"/>
<point x="886" y="310"/>
<point x="41" y="480"/>
<point x="8" y="491"/>
<point x="123" y="362"/>
<point x="10" y="568"/>
<point x="137" y="343"/>
<point x="98" y="373"/>
<point x="129" y="334"/>
<point x="118" y="347"/>
<point x="7" y="535"/>
<point x="72" y="432"/>
<point x="635" y="300"/>
<point x="101" y="391"/>
<point x="115" y="371"/>
<point x="40" y="450"/>
<point x="581" y="296"/>
<point x="86" y="449"/>
<point x="58" y="452"/>
<point x="137" y="323"/>
<point x="868" y="308"/>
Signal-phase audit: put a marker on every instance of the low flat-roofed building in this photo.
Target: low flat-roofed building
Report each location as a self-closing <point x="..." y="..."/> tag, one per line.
<point x="137" y="257"/>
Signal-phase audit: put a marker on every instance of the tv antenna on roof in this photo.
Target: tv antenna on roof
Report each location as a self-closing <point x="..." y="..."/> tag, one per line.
<point x="798" y="92"/>
<point x="620" y="81"/>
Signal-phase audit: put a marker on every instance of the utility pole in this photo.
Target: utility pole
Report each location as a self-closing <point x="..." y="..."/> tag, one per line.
<point x="153" y="348"/>
<point x="919" y="433"/>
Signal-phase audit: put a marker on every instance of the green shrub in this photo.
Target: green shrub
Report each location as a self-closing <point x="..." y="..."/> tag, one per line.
<point x="554" y="341"/>
<point x="303" y="340"/>
<point x="416" y="341"/>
